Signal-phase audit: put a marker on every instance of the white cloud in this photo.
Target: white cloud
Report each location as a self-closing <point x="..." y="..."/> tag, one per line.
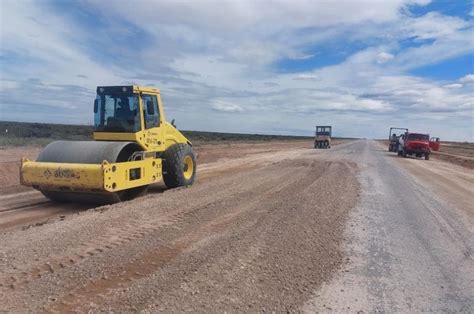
<point x="240" y="15"/>
<point x="8" y="84"/>
<point x="454" y="85"/>
<point x="306" y="77"/>
<point x="226" y="106"/>
<point x="433" y="25"/>
<point x="455" y="45"/>
<point x="253" y="31"/>
<point x="46" y="39"/>
<point x="384" y="57"/>
<point x="467" y="79"/>
<point x="302" y="57"/>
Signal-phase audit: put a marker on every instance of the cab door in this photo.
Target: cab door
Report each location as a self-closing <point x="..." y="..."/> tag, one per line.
<point x="153" y="130"/>
<point x="434" y="143"/>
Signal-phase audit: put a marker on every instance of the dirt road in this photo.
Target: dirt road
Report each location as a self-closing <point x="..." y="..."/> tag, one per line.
<point x="269" y="227"/>
<point x="409" y="241"/>
<point x="260" y="229"/>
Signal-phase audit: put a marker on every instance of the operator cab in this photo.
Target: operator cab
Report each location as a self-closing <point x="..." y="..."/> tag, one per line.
<point x="323" y="131"/>
<point x="117" y="109"/>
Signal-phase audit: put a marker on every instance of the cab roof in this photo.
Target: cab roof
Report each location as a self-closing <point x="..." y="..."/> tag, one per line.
<point x="127" y="88"/>
<point x="413" y="133"/>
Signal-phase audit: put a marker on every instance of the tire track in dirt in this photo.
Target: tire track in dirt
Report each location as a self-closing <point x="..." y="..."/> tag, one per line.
<point x="117" y="237"/>
<point x="177" y="213"/>
<point x="97" y="291"/>
<point x="23" y="201"/>
<point x="31" y="213"/>
<point x="109" y="241"/>
<point x="206" y="232"/>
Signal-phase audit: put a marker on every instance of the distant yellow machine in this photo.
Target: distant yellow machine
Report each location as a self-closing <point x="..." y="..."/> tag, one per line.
<point x="133" y="147"/>
<point x="322" y="138"/>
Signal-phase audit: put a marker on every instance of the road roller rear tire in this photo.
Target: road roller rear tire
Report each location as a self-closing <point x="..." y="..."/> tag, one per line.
<point x="179" y="166"/>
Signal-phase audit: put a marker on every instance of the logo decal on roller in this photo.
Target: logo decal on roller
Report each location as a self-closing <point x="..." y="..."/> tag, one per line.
<point x="62" y="173"/>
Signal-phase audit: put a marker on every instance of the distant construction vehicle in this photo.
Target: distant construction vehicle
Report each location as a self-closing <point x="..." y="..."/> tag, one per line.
<point x="394" y="138"/>
<point x="417" y="144"/>
<point x="407" y="143"/>
<point x="322" y="138"/>
<point x="134" y="147"/>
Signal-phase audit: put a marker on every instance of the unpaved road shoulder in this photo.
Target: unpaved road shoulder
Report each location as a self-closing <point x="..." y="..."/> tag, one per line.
<point x="452" y="183"/>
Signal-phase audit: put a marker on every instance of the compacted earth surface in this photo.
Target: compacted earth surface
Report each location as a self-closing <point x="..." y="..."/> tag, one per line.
<point x="275" y="226"/>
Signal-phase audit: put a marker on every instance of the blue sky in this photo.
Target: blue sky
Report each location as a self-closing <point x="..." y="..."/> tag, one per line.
<point x="274" y="67"/>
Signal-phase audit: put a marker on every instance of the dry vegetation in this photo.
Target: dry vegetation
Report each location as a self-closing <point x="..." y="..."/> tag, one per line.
<point x="39" y="134"/>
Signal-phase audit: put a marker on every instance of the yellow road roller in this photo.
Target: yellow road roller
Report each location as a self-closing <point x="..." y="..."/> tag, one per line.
<point x="134" y="146"/>
<point x="322" y="138"/>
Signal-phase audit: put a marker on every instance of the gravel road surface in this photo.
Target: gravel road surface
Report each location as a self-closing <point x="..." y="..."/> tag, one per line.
<point x="257" y="231"/>
<point x="284" y="228"/>
<point x="409" y="244"/>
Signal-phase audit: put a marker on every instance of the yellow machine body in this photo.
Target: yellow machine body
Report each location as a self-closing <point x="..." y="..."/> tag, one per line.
<point x="152" y="139"/>
<point x="111" y="177"/>
<point x="99" y="172"/>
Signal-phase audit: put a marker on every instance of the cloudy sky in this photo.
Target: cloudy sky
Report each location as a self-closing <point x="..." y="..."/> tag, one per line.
<point x="273" y="67"/>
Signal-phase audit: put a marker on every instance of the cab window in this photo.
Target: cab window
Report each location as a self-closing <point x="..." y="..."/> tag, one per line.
<point x="152" y="115"/>
<point x="116" y="112"/>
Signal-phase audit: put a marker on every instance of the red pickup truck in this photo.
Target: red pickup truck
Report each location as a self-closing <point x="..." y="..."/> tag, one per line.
<point x="414" y="144"/>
